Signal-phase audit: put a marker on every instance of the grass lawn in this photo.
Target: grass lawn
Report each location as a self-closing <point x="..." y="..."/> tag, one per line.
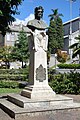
<point x="10" y="90"/>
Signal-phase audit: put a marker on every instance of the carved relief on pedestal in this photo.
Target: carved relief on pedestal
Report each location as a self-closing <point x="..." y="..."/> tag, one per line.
<point x="41" y="73"/>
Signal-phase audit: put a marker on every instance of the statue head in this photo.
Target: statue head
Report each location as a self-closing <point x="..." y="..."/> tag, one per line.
<point x="38" y="12"/>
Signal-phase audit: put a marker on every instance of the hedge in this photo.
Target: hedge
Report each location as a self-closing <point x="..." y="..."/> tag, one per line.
<point x="14" y="74"/>
<point x="13" y="77"/>
<point x="9" y="84"/>
<point x="15" y="71"/>
<point x="69" y="66"/>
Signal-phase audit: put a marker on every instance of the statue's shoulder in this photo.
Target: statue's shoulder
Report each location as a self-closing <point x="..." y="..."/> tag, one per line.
<point x="39" y="24"/>
<point x="31" y="22"/>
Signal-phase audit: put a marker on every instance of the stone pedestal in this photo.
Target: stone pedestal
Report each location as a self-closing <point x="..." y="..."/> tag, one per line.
<point x="38" y="76"/>
<point x="38" y="92"/>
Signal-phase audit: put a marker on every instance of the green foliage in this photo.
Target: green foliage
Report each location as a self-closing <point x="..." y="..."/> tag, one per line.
<point x="76" y="47"/>
<point x="52" y="37"/>
<point x="55" y="32"/>
<point x="20" y="50"/>
<point x="55" y="14"/>
<point x="13" y="77"/>
<point x="10" y="90"/>
<point x="10" y="78"/>
<point x="5" y="55"/>
<point x="59" y="31"/>
<point x="15" y="71"/>
<point x="69" y="66"/>
<point x="9" y="84"/>
<point x="14" y="74"/>
<point x="66" y="83"/>
<point x="8" y="8"/>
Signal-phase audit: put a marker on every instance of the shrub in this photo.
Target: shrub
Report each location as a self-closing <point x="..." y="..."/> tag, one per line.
<point x="11" y="84"/>
<point x="69" y="66"/>
<point x="62" y="56"/>
<point x="66" y="83"/>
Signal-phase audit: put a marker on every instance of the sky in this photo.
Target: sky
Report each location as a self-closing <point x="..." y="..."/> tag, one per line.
<point x="27" y="7"/>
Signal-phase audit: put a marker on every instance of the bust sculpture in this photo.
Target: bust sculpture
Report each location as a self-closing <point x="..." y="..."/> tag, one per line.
<point x="37" y="23"/>
<point x="38" y="27"/>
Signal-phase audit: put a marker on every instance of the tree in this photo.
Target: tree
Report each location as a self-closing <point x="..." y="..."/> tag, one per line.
<point x="55" y="32"/>
<point x="55" y="15"/>
<point x="62" y="56"/>
<point x="20" y="50"/>
<point x="5" y="55"/>
<point x="8" y="8"/>
<point x="76" y="48"/>
<point x="59" y="32"/>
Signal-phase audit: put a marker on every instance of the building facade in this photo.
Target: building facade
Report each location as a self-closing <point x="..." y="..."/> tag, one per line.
<point x="71" y="30"/>
<point x="12" y="36"/>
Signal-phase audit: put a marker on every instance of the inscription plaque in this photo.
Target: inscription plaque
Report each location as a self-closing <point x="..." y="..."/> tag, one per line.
<point x="40" y="73"/>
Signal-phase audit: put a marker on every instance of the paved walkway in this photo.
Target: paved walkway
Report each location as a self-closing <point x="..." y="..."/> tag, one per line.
<point x="59" y="115"/>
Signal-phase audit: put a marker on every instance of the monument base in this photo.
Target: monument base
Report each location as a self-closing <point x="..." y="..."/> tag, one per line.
<point x="37" y="92"/>
<point x="16" y="105"/>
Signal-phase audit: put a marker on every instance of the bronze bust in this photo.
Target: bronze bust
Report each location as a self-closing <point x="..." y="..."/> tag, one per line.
<point x="37" y="23"/>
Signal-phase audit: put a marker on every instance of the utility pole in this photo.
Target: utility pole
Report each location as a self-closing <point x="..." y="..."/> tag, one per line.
<point x="70" y="36"/>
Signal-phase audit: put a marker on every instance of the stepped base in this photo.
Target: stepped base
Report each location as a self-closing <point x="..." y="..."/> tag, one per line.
<point x="38" y="92"/>
<point x="26" y="102"/>
<point x="38" y="101"/>
<point x="16" y="105"/>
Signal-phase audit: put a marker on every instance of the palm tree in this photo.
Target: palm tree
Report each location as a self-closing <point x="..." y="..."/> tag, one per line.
<point x="76" y="48"/>
<point x="55" y="14"/>
<point x="55" y="31"/>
